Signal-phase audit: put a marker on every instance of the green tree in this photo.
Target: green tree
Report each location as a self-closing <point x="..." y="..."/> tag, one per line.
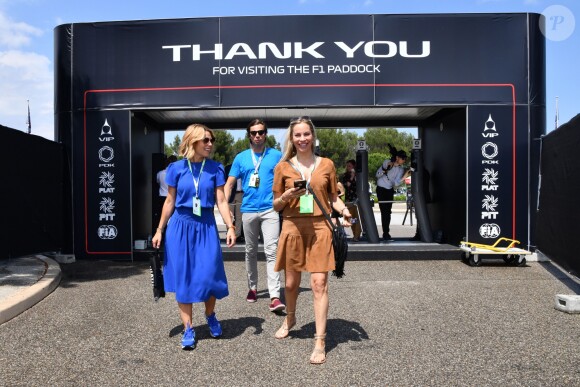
<point x="222" y="149"/>
<point x="378" y="140"/>
<point x="240" y="145"/>
<point x="272" y="143"/>
<point x="338" y="145"/>
<point x="173" y="147"/>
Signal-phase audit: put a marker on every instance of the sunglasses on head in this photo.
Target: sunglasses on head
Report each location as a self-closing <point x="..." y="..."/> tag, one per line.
<point x="208" y="139"/>
<point x="301" y="118"/>
<point x="260" y="132"/>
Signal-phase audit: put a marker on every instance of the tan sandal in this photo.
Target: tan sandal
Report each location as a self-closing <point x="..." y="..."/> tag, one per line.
<point x="318" y="352"/>
<point x="284" y="330"/>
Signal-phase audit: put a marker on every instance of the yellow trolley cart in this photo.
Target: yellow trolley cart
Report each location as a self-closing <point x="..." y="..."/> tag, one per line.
<point x="471" y="252"/>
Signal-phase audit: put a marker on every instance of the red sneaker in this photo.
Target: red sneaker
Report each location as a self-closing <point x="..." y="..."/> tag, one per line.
<point x="277" y="305"/>
<point x="252" y="296"/>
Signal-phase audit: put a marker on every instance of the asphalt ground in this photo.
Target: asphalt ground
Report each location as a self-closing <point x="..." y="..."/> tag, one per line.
<point x="390" y="323"/>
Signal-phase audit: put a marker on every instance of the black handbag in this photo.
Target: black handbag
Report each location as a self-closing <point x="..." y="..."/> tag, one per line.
<point x="156" y="275"/>
<point x="339" y="241"/>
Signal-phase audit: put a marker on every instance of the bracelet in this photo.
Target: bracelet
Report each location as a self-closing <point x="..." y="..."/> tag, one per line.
<point x="160" y="229"/>
<point x="232" y="226"/>
<point x="282" y="200"/>
<point x="343" y="208"/>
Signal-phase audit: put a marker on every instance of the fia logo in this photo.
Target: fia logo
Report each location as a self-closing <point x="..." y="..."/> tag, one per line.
<point x="107" y="231"/>
<point x="489" y="230"/>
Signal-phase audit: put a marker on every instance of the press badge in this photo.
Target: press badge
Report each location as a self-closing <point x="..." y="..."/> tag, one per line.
<point x="306" y="204"/>
<point x="254" y="181"/>
<point x="196" y="206"/>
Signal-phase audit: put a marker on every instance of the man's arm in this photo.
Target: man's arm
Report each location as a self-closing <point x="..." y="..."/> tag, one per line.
<point x="229" y="187"/>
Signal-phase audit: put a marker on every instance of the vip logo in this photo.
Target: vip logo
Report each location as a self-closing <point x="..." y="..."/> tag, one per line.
<point x="489" y="127"/>
<point x="106" y="132"/>
<point x="489" y="124"/>
<point x="107" y="231"/>
<point x="489" y="230"/>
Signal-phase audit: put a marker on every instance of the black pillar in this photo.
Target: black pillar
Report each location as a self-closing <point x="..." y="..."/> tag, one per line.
<point x="362" y="193"/>
<point x="418" y="189"/>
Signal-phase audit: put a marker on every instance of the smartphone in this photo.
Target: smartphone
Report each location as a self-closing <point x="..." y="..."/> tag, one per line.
<point x="300" y="184"/>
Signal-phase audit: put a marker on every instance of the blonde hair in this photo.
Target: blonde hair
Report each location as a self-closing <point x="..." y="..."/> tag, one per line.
<point x="193" y="134"/>
<point x="289" y="148"/>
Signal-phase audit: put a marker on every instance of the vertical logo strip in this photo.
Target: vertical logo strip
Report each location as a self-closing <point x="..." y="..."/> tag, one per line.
<point x="106" y="227"/>
<point x="490" y="179"/>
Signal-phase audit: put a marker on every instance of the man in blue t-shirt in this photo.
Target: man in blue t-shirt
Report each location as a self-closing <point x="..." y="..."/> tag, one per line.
<point x="255" y="167"/>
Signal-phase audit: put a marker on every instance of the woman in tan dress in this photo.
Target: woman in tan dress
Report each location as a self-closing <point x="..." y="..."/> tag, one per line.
<point x="306" y="238"/>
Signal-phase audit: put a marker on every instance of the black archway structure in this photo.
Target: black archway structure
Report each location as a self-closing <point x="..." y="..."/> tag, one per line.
<point x="473" y="84"/>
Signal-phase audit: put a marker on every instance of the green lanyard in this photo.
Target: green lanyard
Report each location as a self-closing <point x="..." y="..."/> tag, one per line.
<point x="196" y="183"/>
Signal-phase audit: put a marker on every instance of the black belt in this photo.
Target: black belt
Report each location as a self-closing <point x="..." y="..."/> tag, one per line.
<point x="239" y="191"/>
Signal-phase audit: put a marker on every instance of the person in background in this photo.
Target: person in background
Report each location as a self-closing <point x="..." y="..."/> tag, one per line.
<point x="348" y="180"/>
<point x="235" y="201"/>
<point x="162" y="187"/>
<point x="335" y="216"/>
<point x="306" y="238"/>
<point x="389" y="175"/>
<point x="255" y="167"/>
<point x="193" y="267"/>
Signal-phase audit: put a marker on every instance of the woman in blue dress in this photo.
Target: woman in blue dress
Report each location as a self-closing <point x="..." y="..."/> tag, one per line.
<point x="193" y="267"/>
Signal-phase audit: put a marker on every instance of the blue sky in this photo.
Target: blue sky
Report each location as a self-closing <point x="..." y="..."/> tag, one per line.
<point x="26" y="40"/>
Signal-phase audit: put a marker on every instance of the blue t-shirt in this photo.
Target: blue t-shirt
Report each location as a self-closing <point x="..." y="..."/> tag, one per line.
<point x="179" y="177"/>
<point x="256" y="199"/>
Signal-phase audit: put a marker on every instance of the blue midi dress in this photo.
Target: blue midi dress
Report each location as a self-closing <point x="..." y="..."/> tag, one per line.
<point x="193" y="268"/>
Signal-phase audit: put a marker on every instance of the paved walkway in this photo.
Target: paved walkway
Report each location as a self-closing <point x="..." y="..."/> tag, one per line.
<point x="390" y="323"/>
<point x="27" y="280"/>
<point x="24" y="282"/>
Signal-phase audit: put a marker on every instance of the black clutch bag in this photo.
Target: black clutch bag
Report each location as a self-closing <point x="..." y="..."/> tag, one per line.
<point x="339" y="242"/>
<point x="156" y="275"/>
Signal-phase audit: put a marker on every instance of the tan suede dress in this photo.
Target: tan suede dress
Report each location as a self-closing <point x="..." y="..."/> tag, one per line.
<point x="305" y="242"/>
